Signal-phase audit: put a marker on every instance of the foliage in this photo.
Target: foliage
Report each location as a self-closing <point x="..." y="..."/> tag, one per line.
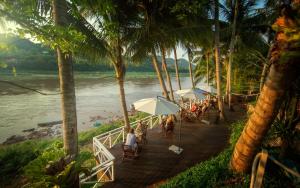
<point x="29" y="158"/>
<point x="213" y="172"/>
<point x="14" y="157"/>
<point x="35" y="170"/>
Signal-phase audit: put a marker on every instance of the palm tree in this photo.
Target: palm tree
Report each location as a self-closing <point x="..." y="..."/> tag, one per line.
<point x="217" y="60"/>
<point x="176" y="68"/>
<point x="231" y="49"/>
<point x="67" y="86"/>
<point x="159" y="75"/>
<point x="111" y="28"/>
<point x="284" y="68"/>
<point x="190" y="57"/>
<point x="163" y="56"/>
<point x="30" y="17"/>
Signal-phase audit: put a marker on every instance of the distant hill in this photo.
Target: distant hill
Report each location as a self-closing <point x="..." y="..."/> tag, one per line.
<point x="28" y="56"/>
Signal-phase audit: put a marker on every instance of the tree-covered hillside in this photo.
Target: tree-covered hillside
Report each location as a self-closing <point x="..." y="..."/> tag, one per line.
<point x="28" y="56"/>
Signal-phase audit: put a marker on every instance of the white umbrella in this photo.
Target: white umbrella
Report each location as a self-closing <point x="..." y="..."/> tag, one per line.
<point x="156" y="106"/>
<point x="208" y="89"/>
<point x="159" y="106"/>
<point x="192" y="93"/>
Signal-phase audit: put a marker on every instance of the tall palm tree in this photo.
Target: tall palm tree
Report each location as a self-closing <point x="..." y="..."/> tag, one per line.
<point x="217" y="60"/>
<point x="67" y="86"/>
<point x="111" y="28"/>
<point x="176" y="68"/>
<point x="190" y="57"/>
<point x="284" y="68"/>
<point x="159" y="75"/>
<point x="32" y="19"/>
<point x="231" y="49"/>
<point x="164" y="64"/>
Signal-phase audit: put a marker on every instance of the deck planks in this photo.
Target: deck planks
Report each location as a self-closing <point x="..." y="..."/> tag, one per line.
<point x="156" y="163"/>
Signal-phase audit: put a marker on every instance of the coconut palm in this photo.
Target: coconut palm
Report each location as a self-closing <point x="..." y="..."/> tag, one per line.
<point x="217" y="59"/>
<point x="67" y="86"/>
<point x="176" y="68"/>
<point x="159" y="28"/>
<point x="164" y="64"/>
<point x="284" y="68"/>
<point x="111" y="28"/>
<point x="34" y="23"/>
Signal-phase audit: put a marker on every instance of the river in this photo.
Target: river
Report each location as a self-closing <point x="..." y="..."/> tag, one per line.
<point x="96" y="97"/>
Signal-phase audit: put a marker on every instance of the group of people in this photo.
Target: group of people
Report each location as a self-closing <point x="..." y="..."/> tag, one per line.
<point x="197" y="109"/>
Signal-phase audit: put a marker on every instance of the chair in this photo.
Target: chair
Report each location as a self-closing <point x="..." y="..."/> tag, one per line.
<point x="128" y="152"/>
<point x="144" y="135"/>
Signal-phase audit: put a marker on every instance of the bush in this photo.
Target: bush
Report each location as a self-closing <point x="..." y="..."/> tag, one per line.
<point x="35" y="170"/>
<point x="14" y="157"/>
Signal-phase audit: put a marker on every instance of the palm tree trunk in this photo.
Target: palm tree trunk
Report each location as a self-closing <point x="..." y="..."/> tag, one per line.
<point x="67" y="86"/>
<point x="190" y="66"/>
<point x="176" y="69"/>
<point x="207" y="69"/>
<point x="231" y="49"/>
<point x="159" y="75"/>
<point x="120" y="75"/>
<point x="217" y="60"/>
<point x="263" y="76"/>
<point x="163" y="58"/>
<point x="284" y="69"/>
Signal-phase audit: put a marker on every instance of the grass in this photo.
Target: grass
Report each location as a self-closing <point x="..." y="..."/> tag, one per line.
<point x="30" y="157"/>
<point x="213" y="172"/>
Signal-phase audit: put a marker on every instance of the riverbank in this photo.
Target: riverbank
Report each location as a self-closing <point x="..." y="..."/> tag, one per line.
<point x="28" y="75"/>
<point x="20" y="161"/>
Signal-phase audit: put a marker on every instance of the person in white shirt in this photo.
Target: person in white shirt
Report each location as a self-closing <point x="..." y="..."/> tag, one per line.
<point x="131" y="140"/>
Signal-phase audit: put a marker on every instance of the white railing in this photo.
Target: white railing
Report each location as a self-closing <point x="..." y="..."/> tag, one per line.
<point x="105" y="160"/>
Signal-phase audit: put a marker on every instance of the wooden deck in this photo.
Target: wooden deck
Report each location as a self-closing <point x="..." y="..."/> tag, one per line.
<point x="156" y="163"/>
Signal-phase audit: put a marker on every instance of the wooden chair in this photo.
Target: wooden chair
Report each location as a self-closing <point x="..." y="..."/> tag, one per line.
<point x="128" y="152"/>
<point x="188" y="116"/>
<point x="144" y="135"/>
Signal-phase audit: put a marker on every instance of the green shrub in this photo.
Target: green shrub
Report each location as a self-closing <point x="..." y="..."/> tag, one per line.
<point x="35" y="170"/>
<point x="14" y="157"/>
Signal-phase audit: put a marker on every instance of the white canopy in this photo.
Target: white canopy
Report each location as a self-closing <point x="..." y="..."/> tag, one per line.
<point x="192" y="93"/>
<point x="156" y="106"/>
<point x="208" y="89"/>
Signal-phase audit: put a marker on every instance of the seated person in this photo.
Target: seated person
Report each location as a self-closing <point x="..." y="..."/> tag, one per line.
<point x="139" y="130"/>
<point x="163" y="120"/>
<point x="169" y="126"/>
<point x="194" y="107"/>
<point x="131" y="141"/>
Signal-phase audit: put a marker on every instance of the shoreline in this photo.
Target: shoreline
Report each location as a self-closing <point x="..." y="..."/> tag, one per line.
<point x="54" y="129"/>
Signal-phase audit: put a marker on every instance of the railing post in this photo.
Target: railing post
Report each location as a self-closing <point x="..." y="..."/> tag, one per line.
<point x="123" y="134"/>
<point x="113" y="171"/>
<point x="109" y="140"/>
<point x="151" y="122"/>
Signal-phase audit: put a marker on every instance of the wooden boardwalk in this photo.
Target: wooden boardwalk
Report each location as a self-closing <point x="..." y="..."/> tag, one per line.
<point x="156" y="163"/>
